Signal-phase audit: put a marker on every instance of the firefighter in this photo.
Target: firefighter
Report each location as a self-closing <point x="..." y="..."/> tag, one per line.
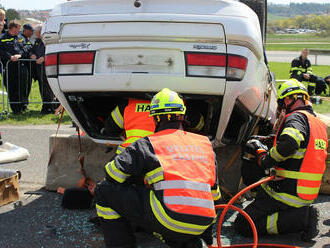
<point x="284" y="205"/>
<point x="165" y="183"/>
<point x="11" y="51"/>
<point x="301" y="69"/>
<point x="133" y="117"/>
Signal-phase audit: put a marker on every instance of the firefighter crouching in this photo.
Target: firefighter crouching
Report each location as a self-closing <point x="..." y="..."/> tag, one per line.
<point x="301" y="69"/>
<point x="298" y="158"/>
<point x="165" y="183"/>
<point x="133" y="117"/>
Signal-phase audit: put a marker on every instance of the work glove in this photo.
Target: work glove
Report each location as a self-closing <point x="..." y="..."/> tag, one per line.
<point x="267" y="140"/>
<point x="257" y="149"/>
<point x="270" y="171"/>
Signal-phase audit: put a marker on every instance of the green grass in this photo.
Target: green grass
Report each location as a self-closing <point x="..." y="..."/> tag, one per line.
<point x="295" y="47"/>
<point x="323" y="108"/>
<point x="280" y="38"/>
<point x="32" y="116"/>
<point x="281" y="71"/>
<point x="279" y="42"/>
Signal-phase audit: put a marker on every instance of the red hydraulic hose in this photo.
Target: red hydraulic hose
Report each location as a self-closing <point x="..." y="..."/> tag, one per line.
<point x="229" y="205"/>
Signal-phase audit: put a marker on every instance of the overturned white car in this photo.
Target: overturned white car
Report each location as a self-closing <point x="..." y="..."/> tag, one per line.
<point x="211" y="51"/>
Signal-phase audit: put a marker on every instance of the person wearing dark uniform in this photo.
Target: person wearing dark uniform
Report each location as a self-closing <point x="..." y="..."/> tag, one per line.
<point x="11" y="50"/>
<point x="165" y="183"/>
<point x="24" y="40"/>
<point x="298" y="156"/>
<point x="38" y="53"/>
<point x="301" y="69"/>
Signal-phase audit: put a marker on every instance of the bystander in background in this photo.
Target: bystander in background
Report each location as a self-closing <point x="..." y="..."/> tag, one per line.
<point x="38" y="53"/>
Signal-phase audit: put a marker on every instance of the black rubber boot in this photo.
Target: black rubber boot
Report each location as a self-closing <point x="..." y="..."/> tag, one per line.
<point x="195" y="243"/>
<point x="118" y="234"/>
<point x="311" y="230"/>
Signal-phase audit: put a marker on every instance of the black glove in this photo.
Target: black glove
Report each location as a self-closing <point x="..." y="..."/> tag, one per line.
<point x="267" y="140"/>
<point x="255" y="147"/>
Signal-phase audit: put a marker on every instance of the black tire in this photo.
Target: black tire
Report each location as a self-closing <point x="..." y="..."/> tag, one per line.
<point x="260" y="8"/>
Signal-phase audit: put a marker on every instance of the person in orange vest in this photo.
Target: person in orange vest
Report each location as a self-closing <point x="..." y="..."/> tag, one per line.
<point x="133" y="117"/>
<point x="165" y="183"/>
<point x="298" y="156"/>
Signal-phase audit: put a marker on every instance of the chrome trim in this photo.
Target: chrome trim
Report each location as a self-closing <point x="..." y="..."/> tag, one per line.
<point x="246" y="44"/>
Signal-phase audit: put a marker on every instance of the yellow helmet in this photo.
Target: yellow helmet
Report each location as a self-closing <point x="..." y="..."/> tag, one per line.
<point x="291" y="87"/>
<point x="167" y="102"/>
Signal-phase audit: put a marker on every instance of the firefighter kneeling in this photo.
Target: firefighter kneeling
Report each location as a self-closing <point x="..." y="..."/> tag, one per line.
<point x="165" y="183"/>
<point x="298" y="159"/>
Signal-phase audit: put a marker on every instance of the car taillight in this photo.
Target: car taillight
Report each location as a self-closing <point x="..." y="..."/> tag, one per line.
<point x="236" y="67"/>
<point x="51" y="65"/>
<point x="205" y="65"/>
<point x="73" y="63"/>
<point x="231" y="67"/>
<point x="69" y="63"/>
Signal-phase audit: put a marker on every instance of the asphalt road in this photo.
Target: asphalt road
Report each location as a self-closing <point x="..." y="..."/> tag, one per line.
<point x="287" y="56"/>
<point x="38" y="220"/>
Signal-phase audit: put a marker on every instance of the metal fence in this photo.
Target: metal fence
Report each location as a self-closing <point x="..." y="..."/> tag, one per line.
<point x="19" y="89"/>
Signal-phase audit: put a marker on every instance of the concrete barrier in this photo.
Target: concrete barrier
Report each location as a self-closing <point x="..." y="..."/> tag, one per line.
<point x="63" y="169"/>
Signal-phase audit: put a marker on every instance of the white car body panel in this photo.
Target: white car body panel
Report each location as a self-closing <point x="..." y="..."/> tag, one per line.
<point x="142" y="50"/>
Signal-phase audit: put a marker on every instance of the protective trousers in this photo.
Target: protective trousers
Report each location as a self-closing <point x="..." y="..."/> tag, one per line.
<point x="122" y="205"/>
<point x="16" y="85"/>
<point x="272" y="217"/>
<point x="28" y="82"/>
<point x="46" y="93"/>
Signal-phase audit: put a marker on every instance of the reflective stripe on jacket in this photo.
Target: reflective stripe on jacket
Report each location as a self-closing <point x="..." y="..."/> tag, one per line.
<point x="135" y="121"/>
<point x="181" y="189"/>
<point x="311" y="163"/>
<point x="187" y="172"/>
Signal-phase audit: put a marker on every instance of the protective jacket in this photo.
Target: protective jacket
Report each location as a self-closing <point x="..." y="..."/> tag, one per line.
<point x="38" y="48"/>
<point x="9" y="46"/>
<point x="300" y="172"/>
<point x="180" y="168"/>
<point x="135" y="120"/>
<point x="300" y="66"/>
<point x="25" y="43"/>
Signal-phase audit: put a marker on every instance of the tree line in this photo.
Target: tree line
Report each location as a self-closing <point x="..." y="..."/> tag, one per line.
<point x="11" y="14"/>
<point x="320" y="23"/>
<point x="295" y="9"/>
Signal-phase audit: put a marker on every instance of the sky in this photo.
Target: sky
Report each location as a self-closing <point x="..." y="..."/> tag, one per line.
<point x="49" y="4"/>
